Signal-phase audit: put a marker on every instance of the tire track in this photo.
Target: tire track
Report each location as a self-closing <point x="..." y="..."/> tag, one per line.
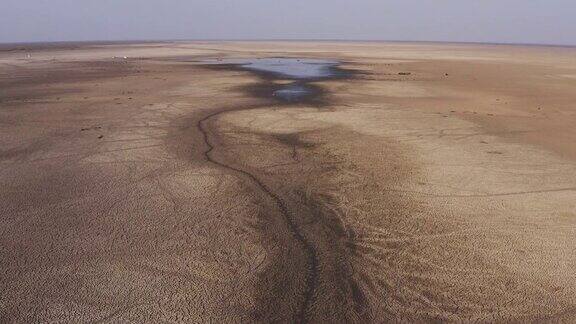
<point x="309" y="249"/>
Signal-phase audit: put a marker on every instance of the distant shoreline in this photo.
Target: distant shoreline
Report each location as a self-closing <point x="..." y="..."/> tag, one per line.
<point x="56" y="44"/>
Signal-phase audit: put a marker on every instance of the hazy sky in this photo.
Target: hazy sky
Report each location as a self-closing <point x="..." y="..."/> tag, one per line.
<point x="515" y="21"/>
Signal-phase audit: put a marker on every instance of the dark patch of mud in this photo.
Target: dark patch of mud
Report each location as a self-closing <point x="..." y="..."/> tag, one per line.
<point x="315" y="95"/>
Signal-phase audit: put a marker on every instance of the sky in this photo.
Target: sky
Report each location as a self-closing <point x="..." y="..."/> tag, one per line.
<point x="495" y="21"/>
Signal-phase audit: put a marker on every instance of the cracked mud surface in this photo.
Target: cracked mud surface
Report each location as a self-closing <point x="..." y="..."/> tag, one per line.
<point x="436" y="183"/>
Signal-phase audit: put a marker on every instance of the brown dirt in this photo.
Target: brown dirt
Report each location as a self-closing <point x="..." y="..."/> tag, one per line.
<point x="438" y="184"/>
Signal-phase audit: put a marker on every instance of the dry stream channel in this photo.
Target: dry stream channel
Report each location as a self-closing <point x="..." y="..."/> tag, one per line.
<point x="290" y="81"/>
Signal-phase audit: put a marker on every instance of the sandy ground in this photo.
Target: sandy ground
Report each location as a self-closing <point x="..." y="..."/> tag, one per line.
<point x="438" y="183"/>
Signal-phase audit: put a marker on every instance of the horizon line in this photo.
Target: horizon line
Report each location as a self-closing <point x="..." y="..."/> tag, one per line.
<point x="100" y="41"/>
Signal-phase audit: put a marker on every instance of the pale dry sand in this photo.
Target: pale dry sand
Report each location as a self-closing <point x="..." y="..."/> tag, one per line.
<point x="154" y="189"/>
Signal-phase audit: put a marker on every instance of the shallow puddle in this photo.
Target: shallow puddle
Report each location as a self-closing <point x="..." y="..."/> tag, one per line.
<point x="302" y="71"/>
